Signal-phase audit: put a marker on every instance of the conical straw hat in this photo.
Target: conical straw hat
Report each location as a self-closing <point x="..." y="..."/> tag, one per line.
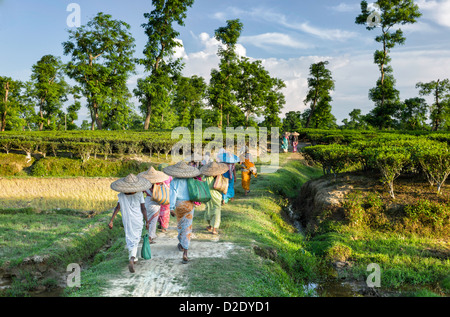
<point x="214" y="169"/>
<point x="181" y="170"/>
<point x="131" y="184"/>
<point x="154" y="176"/>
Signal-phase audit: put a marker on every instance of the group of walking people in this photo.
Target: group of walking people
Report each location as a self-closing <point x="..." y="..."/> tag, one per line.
<point x="290" y="139"/>
<point x="172" y="191"/>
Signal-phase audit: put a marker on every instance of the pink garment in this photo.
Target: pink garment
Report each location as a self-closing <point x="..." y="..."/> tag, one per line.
<point x="164" y="211"/>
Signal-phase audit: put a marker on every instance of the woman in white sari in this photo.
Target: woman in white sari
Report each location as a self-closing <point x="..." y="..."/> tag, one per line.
<point x="131" y="204"/>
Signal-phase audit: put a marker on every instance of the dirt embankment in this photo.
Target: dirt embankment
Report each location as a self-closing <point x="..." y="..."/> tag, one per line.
<point x="324" y="194"/>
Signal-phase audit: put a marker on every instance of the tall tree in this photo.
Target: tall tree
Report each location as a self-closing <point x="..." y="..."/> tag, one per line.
<point x="189" y="99"/>
<point x="223" y="81"/>
<point x="322" y="118"/>
<point x="101" y="61"/>
<point x="274" y="103"/>
<point x="387" y="102"/>
<point x="257" y="93"/>
<point x="158" y="55"/>
<point x="50" y="88"/>
<point x="412" y="114"/>
<point x="292" y="121"/>
<point x="391" y="14"/>
<point x="357" y="120"/>
<point x="320" y="84"/>
<point x="441" y="94"/>
<point x="10" y="92"/>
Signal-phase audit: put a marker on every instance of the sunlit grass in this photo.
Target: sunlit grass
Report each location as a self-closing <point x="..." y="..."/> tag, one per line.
<point x="87" y="194"/>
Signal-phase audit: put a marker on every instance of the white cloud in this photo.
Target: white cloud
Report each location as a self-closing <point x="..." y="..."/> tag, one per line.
<point x="345" y="7"/>
<point x="327" y="34"/>
<point x="270" y="40"/>
<point x="435" y="10"/>
<point x="269" y="15"/>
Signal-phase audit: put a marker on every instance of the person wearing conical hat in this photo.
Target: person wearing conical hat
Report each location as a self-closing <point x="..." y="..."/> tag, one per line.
<point x="153" y="208"/>
<point x="180" y="204"/>
<point x="295" y="141"/>
<point x="132" y="206"/>
<point x="214" y="206"/>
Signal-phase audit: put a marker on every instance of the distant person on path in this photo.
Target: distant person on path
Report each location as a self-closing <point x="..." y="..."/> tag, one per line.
<point x="230" y="160"/>
<point x="248" y="168"/>
<point x="295" y="141"/>
<point x="132" y="206"/>
<point x="214" y="206"/>
<point x="154" y="208"/>
<point x="285" y="143"/>
<point x="180" y="204"/>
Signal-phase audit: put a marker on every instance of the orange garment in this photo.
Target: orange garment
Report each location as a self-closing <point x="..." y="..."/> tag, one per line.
<point x="247" y="174"/>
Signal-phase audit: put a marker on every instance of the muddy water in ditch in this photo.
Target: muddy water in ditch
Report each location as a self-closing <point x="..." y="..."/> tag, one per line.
<point x="331" y="287"/>
<point x="6" y="283"/>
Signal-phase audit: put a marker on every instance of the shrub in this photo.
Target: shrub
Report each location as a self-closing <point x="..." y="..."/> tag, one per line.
<point x="13" y="164"/>
<point x="354" y="211"/>
<point x="339" y="252"/>
<point x="333" y="158"/>
<point x="429" y="213"/>
<point x="435" y="161"/>
<point x="66" y="167"/>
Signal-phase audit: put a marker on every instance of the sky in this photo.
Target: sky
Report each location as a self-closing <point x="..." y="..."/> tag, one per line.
<point x="286" y="35"/>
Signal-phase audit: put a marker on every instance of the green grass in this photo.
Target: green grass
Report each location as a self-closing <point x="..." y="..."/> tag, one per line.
<point x="62" y="237"/>
<point x="408" y="258"/>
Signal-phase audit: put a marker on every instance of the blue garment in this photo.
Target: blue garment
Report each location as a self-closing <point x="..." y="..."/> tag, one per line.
<point x="178" y="191"/>
<point x="230" y="191"/>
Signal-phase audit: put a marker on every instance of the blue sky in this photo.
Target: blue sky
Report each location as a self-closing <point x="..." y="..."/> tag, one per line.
<point x="286" y="35"/>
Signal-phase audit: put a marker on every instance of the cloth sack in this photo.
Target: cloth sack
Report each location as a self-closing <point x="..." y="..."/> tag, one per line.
<point x="221" y="184"/>
<point x="146" y="251"/>
<point x="160" y="194"/>
<point x="198" y="190"/>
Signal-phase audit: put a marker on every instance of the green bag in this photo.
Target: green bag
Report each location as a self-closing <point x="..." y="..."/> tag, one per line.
<point x="146" y="252"/>
<point x="198" y="190"/>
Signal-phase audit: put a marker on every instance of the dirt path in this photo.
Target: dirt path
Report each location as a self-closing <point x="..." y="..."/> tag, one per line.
<point x="162" y="275"/>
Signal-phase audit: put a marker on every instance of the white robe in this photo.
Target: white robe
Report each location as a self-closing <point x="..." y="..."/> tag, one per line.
<point x="133" y="220"/>
<point x="152" y="208"/>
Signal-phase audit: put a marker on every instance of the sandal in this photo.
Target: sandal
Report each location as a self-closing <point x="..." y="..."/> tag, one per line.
<point x="131" y="265"/>
<point x="180" y="248"/>
<point x="215" y="232"/>
<point x="185" y="260"/>
<point x="209" y="228"/>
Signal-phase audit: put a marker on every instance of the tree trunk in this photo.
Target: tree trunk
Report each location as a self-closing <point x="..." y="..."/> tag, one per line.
<point x="41" y="113"/>
<point x="96" y="117"/>
<point x="221" y="116"/>
<point x="313" y="107"/>
<point x="4" y="120"/>
<point x="149" y="113"/>
<point x="438" y="107"/>
<point x="5" y="100"/>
